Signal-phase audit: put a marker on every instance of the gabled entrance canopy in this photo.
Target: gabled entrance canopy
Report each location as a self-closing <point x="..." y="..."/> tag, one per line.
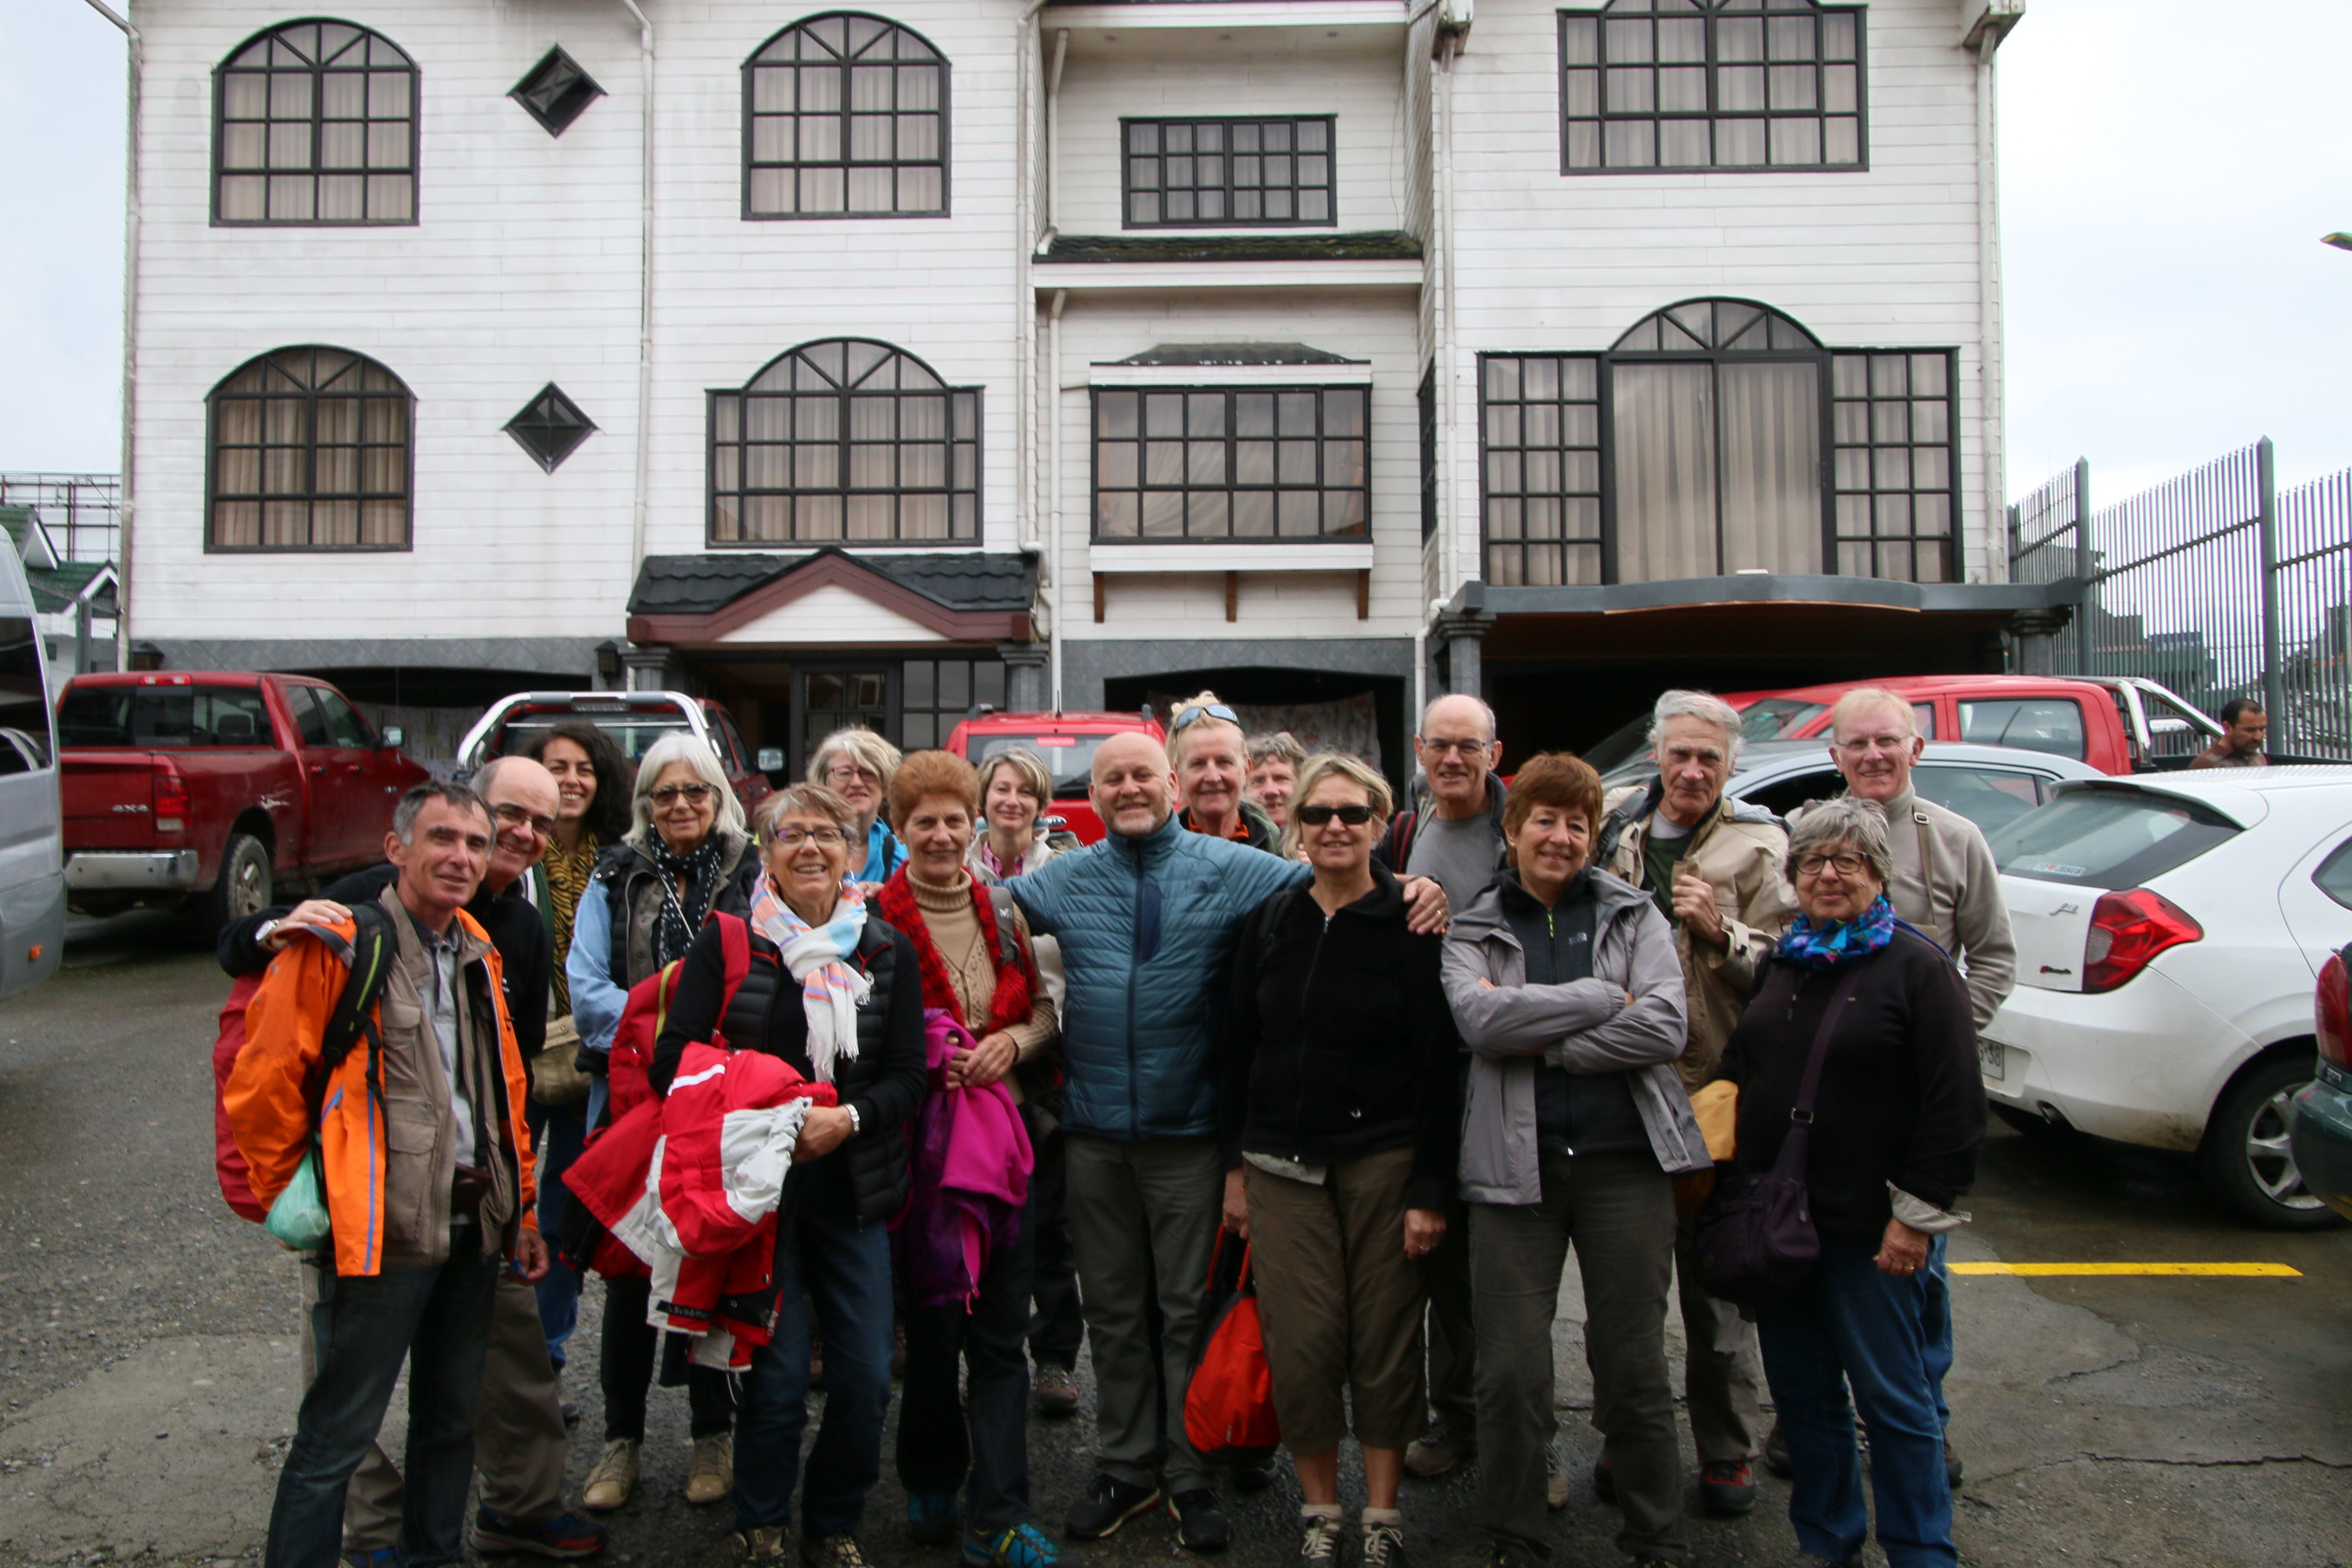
<point x="832" y="598"/>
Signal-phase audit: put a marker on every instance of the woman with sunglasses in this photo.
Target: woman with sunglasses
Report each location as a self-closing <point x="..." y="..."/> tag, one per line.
<point x="1339" y="1119"/>
<point x="688" y="854"/>
<point x="1210" y="751"/>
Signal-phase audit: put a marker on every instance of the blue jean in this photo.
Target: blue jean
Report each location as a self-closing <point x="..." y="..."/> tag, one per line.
<point x="1853" y="1325"/>
<point x="561" y="1132"/>
<point x="438" y="1319"/>
<point x="844" y="1267"/>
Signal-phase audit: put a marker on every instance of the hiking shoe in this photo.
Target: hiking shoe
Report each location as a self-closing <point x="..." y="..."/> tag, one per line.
<point x="1776" y="1453"/>
<point x="1022" y="1546"/>
<point x="931" y="1518"/>
<point x="1558" y="1489"/>
<point x="765" y="1545"/>
<point x="370" y="1557"/>
<point x="1319" y="1540"/>
<point x="832" y="1552"/>
<point x="1200" y="1523"/>
<point x="710" y="1474"/>
<point x="1254" y="1475"/>
<point x="1109" y="1503"/>
<point x="1438" y="1450"/>
<point x="614" y="1476"/>
<point x="565" y="1535"/>
<point x="1383" y="1546"/>
<point x="1056" y="1393"/>
<point x="1954" y="1471"/>
<point x="1726" y="1488"/>
<point x="1604" y="1481"/>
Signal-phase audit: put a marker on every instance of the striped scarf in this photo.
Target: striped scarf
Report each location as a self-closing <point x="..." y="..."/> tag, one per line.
<point x="567" y="879"/>
<point x="831" y="990"/>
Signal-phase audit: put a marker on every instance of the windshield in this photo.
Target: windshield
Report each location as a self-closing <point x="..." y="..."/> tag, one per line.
<point x="1778" y="718"/>
<point x="1626" y="744"/>
<point x="2109" y="838"/>
<point x="634" y="730"/>
<point x="163" y="718"/>
<point x="1071" y="757"/>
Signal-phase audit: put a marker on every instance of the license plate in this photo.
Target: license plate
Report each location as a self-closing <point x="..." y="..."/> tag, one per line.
<point x="1989" y="1056"/>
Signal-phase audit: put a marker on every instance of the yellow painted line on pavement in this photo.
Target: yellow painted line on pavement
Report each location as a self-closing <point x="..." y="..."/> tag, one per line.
<point x="2201" y="1270"/>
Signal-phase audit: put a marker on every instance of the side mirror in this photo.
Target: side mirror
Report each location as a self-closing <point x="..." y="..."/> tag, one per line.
<point x="770" y="759"/>
<point x="394" y="735"/>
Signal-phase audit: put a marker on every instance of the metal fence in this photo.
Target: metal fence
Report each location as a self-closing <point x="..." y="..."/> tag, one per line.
<point x="83" y="512"/>
<point x="2214" y="584"/>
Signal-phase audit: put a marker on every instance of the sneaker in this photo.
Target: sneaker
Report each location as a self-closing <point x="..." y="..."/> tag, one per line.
<point x="1254" y="1475"/>
<point x="370" y="1557"/>
<point x="565" y="1535"/>
<point x="1200" y="1523"/>
<point x="1438" y="1450"/>
<point x="1319" y="1540"/>
<point x="1558" y="1489"/>
<point x="832" y="1552"/>
<point x="1055" y="1393"/>
<point x="1383" y="1546"/>
<point x="710" y="1474"/>
<point x="570" y="1414"/>
<point x="931" y="1518"/>
<point x="1954" y="1471"/>
<point x="1108" y="1504"/>
<point x="765" y="1545"/>
<point x="1604" y="1481"/>
<point x="1022" y="1546"/>
<point x="614" y="1476"/>
<point x="1726" y="1488"/>
<point x="1776" y="1453"/>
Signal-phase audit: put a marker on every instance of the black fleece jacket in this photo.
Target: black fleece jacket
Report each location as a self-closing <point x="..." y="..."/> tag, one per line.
<point x="1337" y="1042"/>
<point x="1900" y="1100"/>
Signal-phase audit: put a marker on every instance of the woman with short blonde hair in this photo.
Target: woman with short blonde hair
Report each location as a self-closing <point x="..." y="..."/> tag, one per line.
<point x="1209" y="750"/>
<point x="857" y="764"/>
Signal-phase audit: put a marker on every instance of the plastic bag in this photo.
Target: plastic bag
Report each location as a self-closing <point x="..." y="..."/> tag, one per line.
<point x="298" y="1216"/>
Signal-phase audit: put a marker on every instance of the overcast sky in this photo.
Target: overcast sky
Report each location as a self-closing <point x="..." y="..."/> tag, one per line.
<point x="2166" y="170"/>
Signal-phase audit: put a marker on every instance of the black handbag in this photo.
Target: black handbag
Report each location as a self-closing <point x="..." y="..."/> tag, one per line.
<point x="1755" y="1241"/>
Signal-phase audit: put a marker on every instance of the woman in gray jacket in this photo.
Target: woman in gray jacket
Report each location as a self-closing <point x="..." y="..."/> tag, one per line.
<point x="1565" y="986"/>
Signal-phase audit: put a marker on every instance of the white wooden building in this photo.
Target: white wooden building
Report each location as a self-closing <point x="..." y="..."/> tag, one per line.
<point x="875" y="363"/>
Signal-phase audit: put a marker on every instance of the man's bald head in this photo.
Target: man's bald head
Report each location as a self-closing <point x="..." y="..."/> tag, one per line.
<point x="1133" y="790"/>
<point x="523" y="801"/>
<point x="1456" y="750"/>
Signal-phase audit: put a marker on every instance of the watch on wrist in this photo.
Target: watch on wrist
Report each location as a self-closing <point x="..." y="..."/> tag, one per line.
<point x="855" y="1127"/>
<point x="265" y="931"/>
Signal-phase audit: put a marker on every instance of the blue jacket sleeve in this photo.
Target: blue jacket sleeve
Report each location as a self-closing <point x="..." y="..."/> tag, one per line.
<point x="596" y="1002"/>
<point x="1039" y="894"/>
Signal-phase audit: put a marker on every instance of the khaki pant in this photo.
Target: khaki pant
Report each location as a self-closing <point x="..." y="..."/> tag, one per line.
<point x="517" y="1426"/>
<point x="1722" y="1371"/>
<point x="1340" y="1302"/>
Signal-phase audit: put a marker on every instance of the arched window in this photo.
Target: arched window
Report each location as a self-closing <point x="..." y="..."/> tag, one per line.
<point x="845" y="440"/>
<point x="1713" y="84"/>
<point x="845" y="116"/>
<point x="309" y="448"/>
<point x="315" y="122"/>
<point x="1734" y="441"/>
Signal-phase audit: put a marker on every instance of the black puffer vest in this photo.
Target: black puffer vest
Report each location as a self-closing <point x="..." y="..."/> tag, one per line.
<point x="632" y="886"/>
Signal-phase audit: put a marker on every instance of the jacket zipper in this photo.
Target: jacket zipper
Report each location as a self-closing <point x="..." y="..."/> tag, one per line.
<point x="1305" y="995"/>
<point x="1134" y="979"/>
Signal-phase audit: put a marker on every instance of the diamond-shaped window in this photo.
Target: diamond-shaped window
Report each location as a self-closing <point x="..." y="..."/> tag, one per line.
<point x="550" y="427"/>
<point x="556" y="91"/>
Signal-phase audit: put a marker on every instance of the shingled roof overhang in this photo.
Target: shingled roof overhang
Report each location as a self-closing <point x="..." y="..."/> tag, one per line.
<point x="963" y="595"/>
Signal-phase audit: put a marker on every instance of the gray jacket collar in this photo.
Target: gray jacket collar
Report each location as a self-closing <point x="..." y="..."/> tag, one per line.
<point x="1486" y="917"/>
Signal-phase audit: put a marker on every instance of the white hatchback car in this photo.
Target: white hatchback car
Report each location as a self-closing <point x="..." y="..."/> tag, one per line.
<point x="2170" y="927"/>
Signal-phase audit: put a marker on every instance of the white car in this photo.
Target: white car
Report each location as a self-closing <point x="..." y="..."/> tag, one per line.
<point x="2170" y="928"/>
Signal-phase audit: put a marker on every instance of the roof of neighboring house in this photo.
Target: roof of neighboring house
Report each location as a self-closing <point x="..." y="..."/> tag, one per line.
<point x="55" y="587"/>
<point x="1383" y="246"/>
<point x="957" y="580"/>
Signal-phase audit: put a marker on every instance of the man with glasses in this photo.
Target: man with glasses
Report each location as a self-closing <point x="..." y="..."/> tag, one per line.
<point x="1456" y="840"/>
<point x="519" y="1432"/>
<point x="1946" y="884"/>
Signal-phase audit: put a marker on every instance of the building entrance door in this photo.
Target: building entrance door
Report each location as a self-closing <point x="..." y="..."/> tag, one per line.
<point x="830" y="699"/>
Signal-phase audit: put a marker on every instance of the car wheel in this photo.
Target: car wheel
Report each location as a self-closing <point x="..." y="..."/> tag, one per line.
<point x="2248" y="1161"/>
<point x="244" y="887"/>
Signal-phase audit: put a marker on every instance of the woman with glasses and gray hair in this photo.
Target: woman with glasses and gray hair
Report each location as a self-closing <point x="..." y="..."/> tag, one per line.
<point x="686" y="853"/>
<point x="1210" y="751"/>
<point x="857" y="764"/>
<point x="1898" y="1116"/>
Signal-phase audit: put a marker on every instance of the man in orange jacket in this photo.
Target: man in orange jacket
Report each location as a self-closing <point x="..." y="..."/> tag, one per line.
<point x="427" y="1166"/>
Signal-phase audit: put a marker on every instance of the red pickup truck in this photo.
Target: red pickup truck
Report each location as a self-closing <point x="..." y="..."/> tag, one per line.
<point x="1066" y="740"/>
<point x="210" y="788"/>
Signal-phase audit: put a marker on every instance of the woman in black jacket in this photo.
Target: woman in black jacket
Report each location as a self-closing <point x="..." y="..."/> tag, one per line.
<point x="1339" y="1111"/>
<point x="833" y="991"/>
<point x="1897" y="1121"/>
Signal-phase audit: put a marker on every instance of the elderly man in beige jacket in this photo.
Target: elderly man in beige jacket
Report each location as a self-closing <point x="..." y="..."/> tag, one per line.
<point x="1713" y="866"/>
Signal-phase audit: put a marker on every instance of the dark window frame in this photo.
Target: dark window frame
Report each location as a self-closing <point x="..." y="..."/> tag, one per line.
<point x="315" y="169"/>
<point x="958" y="536"/>
<point x="1708" y="15"/>
<point x="943" y="719"/>
<point x="549" y="121"/>
<point x="1425" y="397"/>
<point x="752" y="114"/>
<point x="1230" y="485"/>
<point x="1833" y="478"/>
<point x="1227" y="185"/>
<point x="554" y="455"/>
<point x="309" y="494"/>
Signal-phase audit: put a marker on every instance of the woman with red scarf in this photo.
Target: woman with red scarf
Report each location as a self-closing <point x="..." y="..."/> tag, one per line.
<point x="966" y="1260"/>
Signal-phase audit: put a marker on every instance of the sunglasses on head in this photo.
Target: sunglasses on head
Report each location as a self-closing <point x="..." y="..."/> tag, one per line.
<point x="1205" y="711"/>
<point x="1316" y="815"/>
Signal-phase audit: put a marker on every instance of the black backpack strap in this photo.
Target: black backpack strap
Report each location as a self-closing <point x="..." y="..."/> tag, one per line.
<point x="1398" y="845"/>
<point x="1605" y="848"/>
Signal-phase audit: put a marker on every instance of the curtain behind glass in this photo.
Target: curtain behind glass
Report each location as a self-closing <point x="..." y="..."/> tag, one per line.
<point x="1666" y="472"/>
<point x="1771" y="456"/>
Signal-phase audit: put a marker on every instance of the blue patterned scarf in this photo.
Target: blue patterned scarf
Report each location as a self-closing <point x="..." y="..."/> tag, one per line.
<point x="1827" y="946"/>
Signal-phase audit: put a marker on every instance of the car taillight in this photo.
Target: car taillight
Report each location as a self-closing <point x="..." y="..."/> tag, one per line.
<point x="171" y="802"/>
<point x="2331" y="1012"/>
<point x="2127" y="929"/>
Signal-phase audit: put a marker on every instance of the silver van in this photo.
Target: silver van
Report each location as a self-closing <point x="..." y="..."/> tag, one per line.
<point x="32" y="840"/>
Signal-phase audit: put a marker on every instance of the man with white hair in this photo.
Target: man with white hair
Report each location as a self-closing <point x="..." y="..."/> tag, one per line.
<point x="1714" y="867"/>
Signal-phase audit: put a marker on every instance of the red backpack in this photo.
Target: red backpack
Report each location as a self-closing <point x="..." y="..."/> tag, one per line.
<point x="1229" y="1400"/>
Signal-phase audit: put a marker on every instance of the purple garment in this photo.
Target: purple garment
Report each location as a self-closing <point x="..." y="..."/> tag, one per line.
<point x="970" y="1179"/>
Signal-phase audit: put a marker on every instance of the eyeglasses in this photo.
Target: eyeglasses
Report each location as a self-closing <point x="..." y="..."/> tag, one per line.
<point x="1205" y="711"/>
<point x="843" y="774"/>
<point x="516" y="816"/>
<point x="1441" y="747"/>
<point x="793" y="837"/>
<point x="670" y="794"/>
<point x="1316" y="815"/>
<point x="1848" y="864"/>
<point x="1862" y="746"/>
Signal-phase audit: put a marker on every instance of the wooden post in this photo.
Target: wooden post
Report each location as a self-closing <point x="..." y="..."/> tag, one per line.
<point x="1364" y="594"/>
<point x="1233" y="596"/>
<point x="1099" y="597"/>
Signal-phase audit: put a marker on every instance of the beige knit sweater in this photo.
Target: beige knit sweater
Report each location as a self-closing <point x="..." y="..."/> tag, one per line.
<point x="969" y="951"/>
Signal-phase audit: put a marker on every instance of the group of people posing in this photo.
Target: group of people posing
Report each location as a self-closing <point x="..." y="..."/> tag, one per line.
<point x="1413" y="1056"/>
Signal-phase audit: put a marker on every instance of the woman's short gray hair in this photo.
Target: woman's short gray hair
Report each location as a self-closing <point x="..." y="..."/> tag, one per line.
<point x="1845" y="822"/>
<point x="1705" y="705"/>
<point x="866" y="751"/>
<point x="808" y="800"/>
<point x="696" y="753"/>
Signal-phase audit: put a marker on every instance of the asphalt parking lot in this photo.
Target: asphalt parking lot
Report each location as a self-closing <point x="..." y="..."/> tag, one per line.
<point x="147" y="1346"/>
